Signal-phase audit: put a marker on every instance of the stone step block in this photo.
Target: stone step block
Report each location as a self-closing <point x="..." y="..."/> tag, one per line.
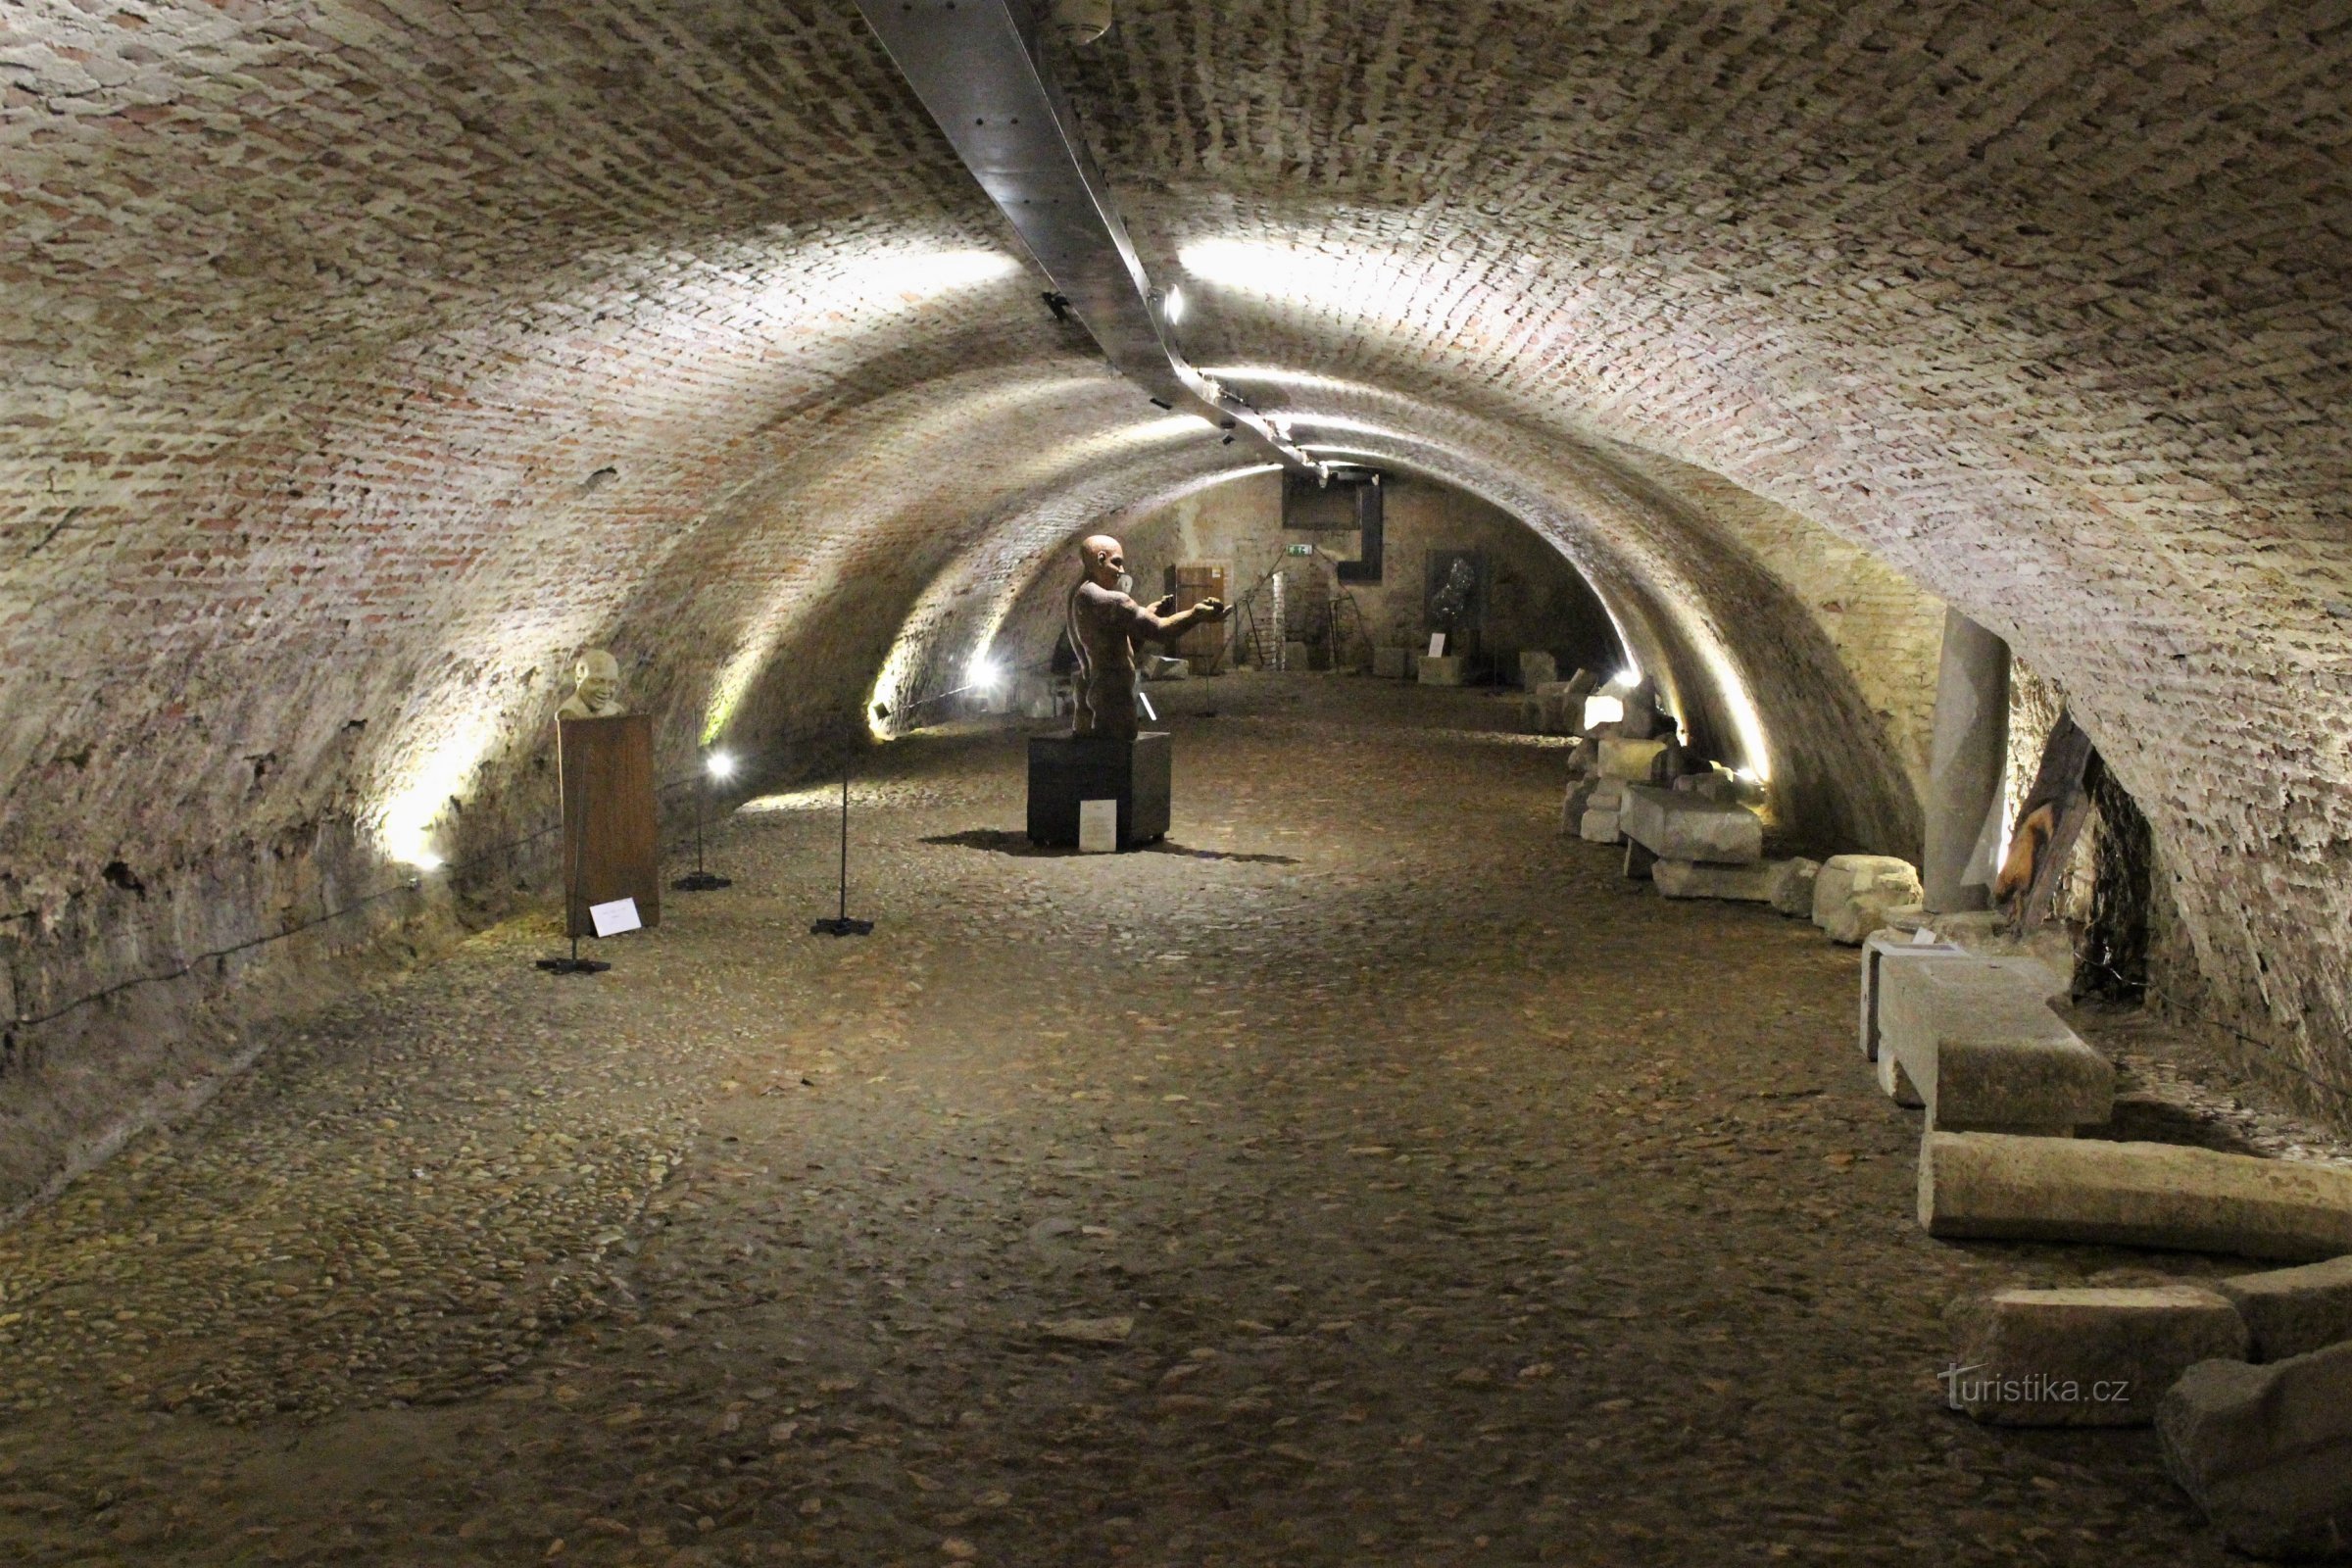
<point x="1391" y="662"/>
<point x="2266" y="1452"/>
<point x="1536" y="669"/>
<point x="1599" y="827"/>
<point x="1878" y="947"/>
<point x="1443" y="670"/>
<point x="1852" y="892"/>
<point x="1677" y="826"/>
<point x="1700" y="879"/>
<point x="1626" y="759"/>
<point x="1996" y="1186"/>
<point x="2083" y="1357"/>
<point x="1978" y="1037"/>
<point x="2294" y="1311"/>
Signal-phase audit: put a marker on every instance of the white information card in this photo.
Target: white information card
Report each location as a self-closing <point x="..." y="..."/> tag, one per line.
<point x="612" y="920"/>
<point x="1098" y="827"/>
<point x="1437" y="645"/>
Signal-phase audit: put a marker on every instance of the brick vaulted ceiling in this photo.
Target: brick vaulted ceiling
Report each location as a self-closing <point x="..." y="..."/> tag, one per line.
<point x="366" y="359"/>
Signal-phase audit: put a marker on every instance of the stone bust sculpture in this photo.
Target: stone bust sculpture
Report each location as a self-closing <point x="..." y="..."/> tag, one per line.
<point x="598" y="693"/>
<point x="1106" y="624"/>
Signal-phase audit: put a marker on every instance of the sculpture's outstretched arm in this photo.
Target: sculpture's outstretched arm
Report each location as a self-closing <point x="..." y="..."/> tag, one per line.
<point x="1163" y="622"/>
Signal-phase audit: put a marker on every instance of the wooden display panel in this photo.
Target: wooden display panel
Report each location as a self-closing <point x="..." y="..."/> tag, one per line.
<point x="612" y="843"/>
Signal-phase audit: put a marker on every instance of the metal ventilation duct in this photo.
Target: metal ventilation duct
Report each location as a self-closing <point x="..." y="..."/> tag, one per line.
<point x="976" y="66"/>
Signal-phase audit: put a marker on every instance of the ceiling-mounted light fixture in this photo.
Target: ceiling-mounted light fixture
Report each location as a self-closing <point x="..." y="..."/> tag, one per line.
<point x="1171" y="309"/>
<point x="1082" y="22"/>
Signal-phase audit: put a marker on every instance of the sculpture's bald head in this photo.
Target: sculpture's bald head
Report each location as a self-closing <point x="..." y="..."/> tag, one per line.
<point x="599" y="675"/>
<point x="1103" y="558"/>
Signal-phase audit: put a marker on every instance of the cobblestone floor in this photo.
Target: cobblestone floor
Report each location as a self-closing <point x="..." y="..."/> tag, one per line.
<point x="1369" y="1176"/>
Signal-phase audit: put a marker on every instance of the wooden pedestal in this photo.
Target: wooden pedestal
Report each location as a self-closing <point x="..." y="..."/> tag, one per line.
<point x="612" y="845"/>
<point x="1064" y="769"/>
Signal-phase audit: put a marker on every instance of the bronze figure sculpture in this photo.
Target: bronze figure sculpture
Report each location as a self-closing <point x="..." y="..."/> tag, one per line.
<point x="1106" y="624"/>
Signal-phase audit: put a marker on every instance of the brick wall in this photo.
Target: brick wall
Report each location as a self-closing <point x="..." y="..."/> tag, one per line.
<point x="363" y="359"/>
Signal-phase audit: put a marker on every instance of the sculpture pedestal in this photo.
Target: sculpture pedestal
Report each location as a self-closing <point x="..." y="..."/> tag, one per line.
<point x="1065" y="769"/>
<point x="612" y="843"/>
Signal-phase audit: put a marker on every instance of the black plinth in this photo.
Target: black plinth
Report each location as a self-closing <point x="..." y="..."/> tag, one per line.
<point x="1064" y="769"/>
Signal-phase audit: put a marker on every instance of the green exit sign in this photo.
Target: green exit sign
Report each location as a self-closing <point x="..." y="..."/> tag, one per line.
<point x="1298" y="550"/>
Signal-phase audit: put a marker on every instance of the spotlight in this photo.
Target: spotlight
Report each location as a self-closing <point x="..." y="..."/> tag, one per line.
<point x="721" y="766"/>
<point x="427" y="861"/>
<point x="982" y="672"/>
<point x="1624" y="677"/>
<point x="1172" y="308"/>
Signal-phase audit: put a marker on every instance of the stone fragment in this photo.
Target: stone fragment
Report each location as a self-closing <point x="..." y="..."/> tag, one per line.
<point x="1563" y="705"/>
<point x="1998" y="1186"/>
<point x="1877" y="951"/>
<point x="1643" y="721"/>
<point x="2266" y="1452"/>
<point x="1852" y="892"/>
<point x="1626" y="759"/>
<point x="1683" y="827"/>
<point x="1574" y="803"/>
<point x="2294" y="1311"/>
<point x="1978" y="1037"/>
<point x="1443" y="670"/>
<point x="1391" y="662"/>
<point x="1699" y="879"/>
<point x="1537" y="668"/>
<point x="1987" y="934"/>
<point x="1598" y="826"/>
<point x="2083" y="1357"/>
<point x="1549" y="709"/>
<point x="1721" y="788"/>
<point x="1860" y="918"/>
<point x="1792" y="886"/>
<point x="1842" y="876"/>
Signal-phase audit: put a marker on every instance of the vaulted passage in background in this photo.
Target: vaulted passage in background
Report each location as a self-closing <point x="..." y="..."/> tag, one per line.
<point x="363" y="363"/>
